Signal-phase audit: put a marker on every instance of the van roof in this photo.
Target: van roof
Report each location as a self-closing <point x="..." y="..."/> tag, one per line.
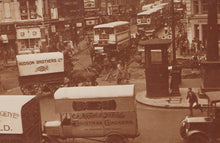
<point x="13" y="103"/>
<point x="94" y="92"/>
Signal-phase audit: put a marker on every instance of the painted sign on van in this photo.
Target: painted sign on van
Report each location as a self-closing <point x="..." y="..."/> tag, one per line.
<point x="43" y="63"/>
<point x="10" y="123"/>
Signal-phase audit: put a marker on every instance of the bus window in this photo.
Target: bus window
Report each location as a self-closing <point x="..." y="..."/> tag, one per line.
<point x="122" y="28"/>
<point x="106" y="31"/>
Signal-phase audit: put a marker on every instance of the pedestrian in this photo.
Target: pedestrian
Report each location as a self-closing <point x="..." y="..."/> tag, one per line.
<point x="119" y="72"/>
<point x="192" y="98"/>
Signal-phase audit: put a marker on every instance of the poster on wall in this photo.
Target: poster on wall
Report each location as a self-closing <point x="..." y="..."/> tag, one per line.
<point x="89" y="3"/>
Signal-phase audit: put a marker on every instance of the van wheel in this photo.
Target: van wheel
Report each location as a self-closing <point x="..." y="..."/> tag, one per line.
<point x="45" y="140"/>
<point x="197" y="138"/>
<point x="114" y="139"/>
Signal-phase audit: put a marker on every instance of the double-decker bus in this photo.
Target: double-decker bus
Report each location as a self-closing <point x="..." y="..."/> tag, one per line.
<point x="149" y="21"/>
<point x="112" y="40"/>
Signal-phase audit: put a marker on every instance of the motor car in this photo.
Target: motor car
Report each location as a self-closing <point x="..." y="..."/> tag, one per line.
<point x="203" y="129"/>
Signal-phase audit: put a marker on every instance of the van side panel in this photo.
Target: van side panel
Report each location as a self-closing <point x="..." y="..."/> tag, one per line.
<point x="11" y="138"/>
<point x="100" y="117"/>
<point x="31" y="121"/>
<point x="123" y="103"/>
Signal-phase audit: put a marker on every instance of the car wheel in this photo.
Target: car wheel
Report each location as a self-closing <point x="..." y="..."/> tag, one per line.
<point x="45" y="140"/>
<point x="183" y="131"/>
<point x="114" y="139"/>
<point x="197" y="138"/>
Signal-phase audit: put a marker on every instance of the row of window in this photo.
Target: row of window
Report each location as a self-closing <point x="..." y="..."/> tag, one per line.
<point x="201" y="6"/>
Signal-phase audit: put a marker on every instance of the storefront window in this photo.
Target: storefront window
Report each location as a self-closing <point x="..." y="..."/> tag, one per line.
<point x="204" y="32"/>
<point x="196" y="31"/>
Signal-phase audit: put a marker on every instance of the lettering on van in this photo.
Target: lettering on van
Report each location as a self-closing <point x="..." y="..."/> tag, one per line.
<point x="106" y="122"/>
<point x="94" y="105"/>
<point x="5" y="128"/>
<point x="9" y="114"/>
<point x="27" y="63"/>
<point x="101" y="115"/>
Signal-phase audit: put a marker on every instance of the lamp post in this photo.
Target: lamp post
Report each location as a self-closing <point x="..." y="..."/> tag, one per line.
<point x="176" y="72"/>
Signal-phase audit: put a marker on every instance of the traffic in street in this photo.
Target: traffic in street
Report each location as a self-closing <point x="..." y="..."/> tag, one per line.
<point x="109" y="71"/>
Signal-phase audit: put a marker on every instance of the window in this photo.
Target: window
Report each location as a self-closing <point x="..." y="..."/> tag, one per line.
<point x="121" y="28"/>
<point x="104" y="31"/>
<point x="195" y="7"/>
<point x="218" y="6"/>
<point x="7" y="10"/>
<point x="204" y="4"/>
<point x="28" y="9"/>
<point x="156" y="56"/>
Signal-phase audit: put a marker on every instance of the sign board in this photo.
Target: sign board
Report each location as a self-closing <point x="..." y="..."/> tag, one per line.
<point x="90" y="22"/>
<point x="79" y="24"/>
<point x="10" y="113"/>
<point x="4" y="38"/>
<point x="28" y="33"/>
<point x="42" y="63"/>
<point x="89" y="3"/>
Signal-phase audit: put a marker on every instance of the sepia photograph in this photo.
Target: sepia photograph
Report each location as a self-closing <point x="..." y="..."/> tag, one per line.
<point x="109" y="71"/>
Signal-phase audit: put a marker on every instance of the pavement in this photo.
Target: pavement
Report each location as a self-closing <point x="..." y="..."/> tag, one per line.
<point x="170" y="102"/>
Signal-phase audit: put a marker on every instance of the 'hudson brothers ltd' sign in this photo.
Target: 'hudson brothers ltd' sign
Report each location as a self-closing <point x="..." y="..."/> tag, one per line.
<point x="43" y="63"/>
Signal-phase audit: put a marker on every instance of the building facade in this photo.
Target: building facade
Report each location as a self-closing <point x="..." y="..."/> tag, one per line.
<point x="197" y="19"/>
<point x="21" y="23"/>
<point x="32" y="26"/>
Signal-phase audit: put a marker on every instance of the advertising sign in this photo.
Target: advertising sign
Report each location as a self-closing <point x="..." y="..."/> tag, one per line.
<point x="22" y="33"/>
<point x="4" y="38"/>
<point x="28" y="33"/>
<point x="90" y="22"/>
<point x="89" y="3"/>
<point x="34" y="33"/>
<point x="10" y="113"/>
<point x="43" y="63"/>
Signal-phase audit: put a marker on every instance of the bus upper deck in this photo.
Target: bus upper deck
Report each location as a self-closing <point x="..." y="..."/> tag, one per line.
<point x="112" y="39"/>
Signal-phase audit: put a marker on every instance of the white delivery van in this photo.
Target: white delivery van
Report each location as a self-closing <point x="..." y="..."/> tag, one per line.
<point x="94" y="111"/>
<point x="20" y="120"/>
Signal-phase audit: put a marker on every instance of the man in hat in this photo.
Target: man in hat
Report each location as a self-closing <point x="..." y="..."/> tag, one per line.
<point x="192" y="98"/>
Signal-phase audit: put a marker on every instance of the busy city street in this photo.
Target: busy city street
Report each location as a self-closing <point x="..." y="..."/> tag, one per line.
<point x="112" y="71"/>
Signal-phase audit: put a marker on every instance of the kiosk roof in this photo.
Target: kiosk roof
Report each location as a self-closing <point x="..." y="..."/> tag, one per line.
<point x="94" y="92"/>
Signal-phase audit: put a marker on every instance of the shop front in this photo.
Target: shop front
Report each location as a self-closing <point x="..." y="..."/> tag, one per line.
<point x="28" y="40"/>
<point x="7" y="41"/>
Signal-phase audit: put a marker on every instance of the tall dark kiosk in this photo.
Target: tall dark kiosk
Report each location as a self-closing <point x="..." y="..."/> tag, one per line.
<point x="156" y="67"/>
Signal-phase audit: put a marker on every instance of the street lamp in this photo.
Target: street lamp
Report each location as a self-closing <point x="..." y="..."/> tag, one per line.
<point x="176" y="72"/>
